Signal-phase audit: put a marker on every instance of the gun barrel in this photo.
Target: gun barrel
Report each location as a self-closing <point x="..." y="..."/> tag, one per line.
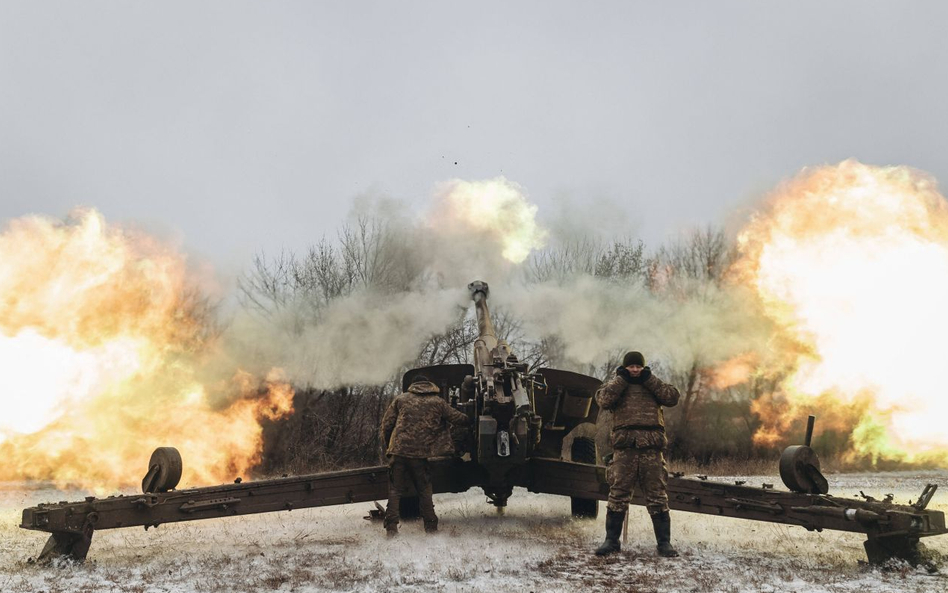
<point x="479" y="293"/>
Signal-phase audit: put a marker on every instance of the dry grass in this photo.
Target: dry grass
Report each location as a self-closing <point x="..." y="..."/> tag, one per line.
<point x="724" y="467"/>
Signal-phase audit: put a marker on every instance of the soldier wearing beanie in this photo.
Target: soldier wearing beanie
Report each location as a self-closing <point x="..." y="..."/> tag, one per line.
<point x="636" y="396"/>
<point x="411" y="431"/>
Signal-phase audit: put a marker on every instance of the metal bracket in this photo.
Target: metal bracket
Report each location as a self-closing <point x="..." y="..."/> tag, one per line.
<point x="147" y="501"/>
<point x="219" y="503"/>
<point x="756" y="505"/>
<point x="926" y="497"/>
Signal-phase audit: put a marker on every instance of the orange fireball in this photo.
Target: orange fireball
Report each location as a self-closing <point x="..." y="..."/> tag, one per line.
<point x="852" y="261"/>
<point x="102" y="345"/>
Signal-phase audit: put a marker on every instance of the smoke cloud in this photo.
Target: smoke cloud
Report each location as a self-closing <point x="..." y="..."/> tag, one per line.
<point x="597" y="320"/>
<point x="121" y="313"/>
<point x="364" y="338"/>
<point x="487" y="230"/>
<point x="401" y="280"/>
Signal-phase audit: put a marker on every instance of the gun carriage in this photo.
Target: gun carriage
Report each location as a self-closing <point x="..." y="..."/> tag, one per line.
<point x="534" y="430"/>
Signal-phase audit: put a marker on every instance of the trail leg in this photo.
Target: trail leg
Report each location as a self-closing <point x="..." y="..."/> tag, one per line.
<point x="880" y="550"/>
<point x="67" y="545"/>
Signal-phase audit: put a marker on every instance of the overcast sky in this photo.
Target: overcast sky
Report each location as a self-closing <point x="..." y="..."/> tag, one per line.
<point x="246" y="126"/>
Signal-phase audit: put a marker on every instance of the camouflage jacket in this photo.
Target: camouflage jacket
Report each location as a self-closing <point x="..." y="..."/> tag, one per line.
<point x="415" y="423"/>
<point x="638" y="421"/>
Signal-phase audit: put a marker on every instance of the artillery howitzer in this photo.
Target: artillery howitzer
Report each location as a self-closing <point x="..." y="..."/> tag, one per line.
<point x="531" y="429"/>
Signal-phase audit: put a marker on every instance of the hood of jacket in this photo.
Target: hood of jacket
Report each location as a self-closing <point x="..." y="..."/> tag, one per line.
<point x="423" y="388"/>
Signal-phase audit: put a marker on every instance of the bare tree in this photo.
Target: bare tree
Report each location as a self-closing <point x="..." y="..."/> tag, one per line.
<point x="700" y="258"/>
<point x="623" y="261"/>
<point x="367" y="255"/>
<point x="687" y="270"/>
<point x="339" y="427"/>
<point x="619" y="261"/>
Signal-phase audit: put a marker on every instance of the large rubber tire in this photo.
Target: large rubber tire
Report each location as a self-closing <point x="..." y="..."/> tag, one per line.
<point x="800" y="470"/>
<point x="583" y="450"/>
<point x="167" y="461"/>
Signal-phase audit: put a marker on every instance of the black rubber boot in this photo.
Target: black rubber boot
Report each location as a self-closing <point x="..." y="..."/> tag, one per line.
<point x="662" y="524"/>
<point x="614" y="521"/>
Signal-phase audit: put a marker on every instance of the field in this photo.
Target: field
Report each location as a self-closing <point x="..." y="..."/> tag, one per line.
<point x="534" y="546"/>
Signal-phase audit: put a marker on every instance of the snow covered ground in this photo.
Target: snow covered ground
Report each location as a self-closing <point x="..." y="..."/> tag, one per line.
<point x="535" y="546"/>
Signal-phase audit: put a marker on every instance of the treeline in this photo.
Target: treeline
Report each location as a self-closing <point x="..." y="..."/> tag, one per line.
<point x="337" y="428"/>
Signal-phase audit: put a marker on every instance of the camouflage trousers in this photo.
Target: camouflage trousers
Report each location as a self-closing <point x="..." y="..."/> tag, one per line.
<point x="406" y="477"/>
<point x="638" y="468"/>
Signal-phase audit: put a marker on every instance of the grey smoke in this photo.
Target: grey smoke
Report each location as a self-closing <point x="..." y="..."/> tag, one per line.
<point x="371" y="333"/>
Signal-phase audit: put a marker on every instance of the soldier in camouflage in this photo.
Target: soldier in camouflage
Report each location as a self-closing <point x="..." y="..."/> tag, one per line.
<point x="413" y="429"/>
<point x="636" y="396"/>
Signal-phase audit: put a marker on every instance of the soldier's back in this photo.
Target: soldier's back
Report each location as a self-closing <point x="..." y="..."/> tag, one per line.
<point x="419" y="427"/>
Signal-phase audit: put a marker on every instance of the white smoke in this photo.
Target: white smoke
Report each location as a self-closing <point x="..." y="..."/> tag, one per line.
<point x="487" y="230"/>
<point x="367" y="337"/>
<point x="480" y="229"/>
<point x="595" y="320"/>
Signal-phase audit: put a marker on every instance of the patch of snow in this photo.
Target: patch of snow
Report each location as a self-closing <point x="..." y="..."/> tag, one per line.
<point x="534" y="546"/>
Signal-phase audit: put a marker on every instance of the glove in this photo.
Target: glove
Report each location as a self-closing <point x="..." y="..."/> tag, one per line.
<point x="624" y="373"/>
<point x="645" y="374"/>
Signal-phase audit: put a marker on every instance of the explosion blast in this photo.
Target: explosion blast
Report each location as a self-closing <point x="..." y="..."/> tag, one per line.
<point x="107" y="353"/>
<point x="106" y="350"/>
<point x="102" y="340"/>
<point x="852" y="262"/>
